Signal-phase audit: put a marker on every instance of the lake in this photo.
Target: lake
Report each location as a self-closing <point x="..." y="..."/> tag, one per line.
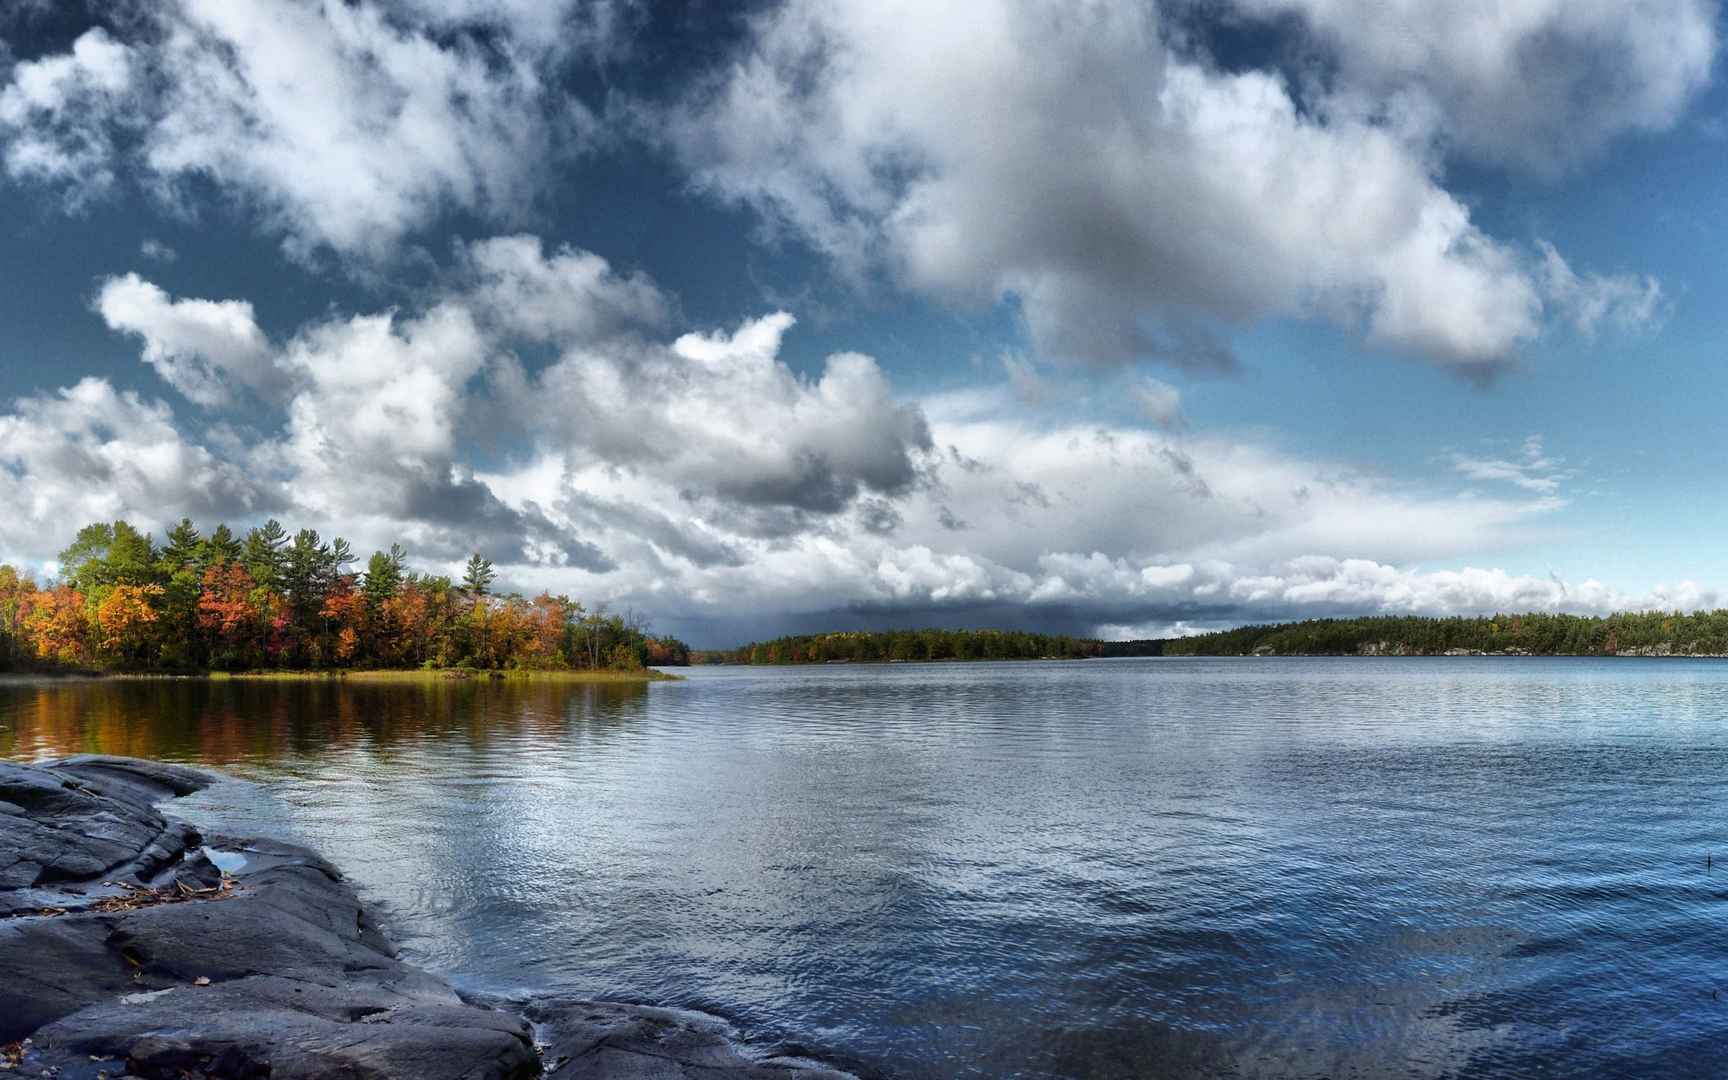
<point x="1485" y="867"/>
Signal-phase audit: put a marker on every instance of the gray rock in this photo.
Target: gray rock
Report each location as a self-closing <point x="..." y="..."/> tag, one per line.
<point x="599" y="1040"/>
<point x="125" y="952"/>
<point x="280" y="973"/>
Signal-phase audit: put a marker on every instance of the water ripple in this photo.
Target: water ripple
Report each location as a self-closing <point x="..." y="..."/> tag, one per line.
<point x="1242" y="868"/>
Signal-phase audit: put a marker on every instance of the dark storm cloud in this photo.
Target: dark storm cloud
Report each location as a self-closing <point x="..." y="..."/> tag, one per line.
<point x="465" y="516"/>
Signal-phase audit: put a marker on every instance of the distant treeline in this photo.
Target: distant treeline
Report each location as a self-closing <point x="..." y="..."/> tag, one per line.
<point x="1535" y="634"/>
<point x="1628" y="634"/>
<point x="908" y="645"/>
<point x="268" y="599"/>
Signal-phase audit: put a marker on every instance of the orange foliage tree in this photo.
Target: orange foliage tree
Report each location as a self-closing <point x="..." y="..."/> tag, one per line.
<point x="125" y="618"/>
<point x="59" y="627"/>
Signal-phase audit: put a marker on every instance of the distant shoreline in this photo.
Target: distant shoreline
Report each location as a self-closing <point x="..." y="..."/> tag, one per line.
<point x="1233" y="656"/>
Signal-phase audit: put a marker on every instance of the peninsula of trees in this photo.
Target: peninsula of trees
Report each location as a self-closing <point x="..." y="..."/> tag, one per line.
<point x="271" y="600"/>
<point x="908" y="645"/>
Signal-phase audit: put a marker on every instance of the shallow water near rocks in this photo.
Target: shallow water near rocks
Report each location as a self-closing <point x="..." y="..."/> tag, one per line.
<point x="1390" y="867"/>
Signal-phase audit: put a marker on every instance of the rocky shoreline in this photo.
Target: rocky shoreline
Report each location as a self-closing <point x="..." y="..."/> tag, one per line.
<point x="133" y="946"/>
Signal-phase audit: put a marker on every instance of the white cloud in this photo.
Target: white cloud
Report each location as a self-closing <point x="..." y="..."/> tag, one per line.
<point x="560" y="27"/>
<point x="1629" y="301"/>
<point x="1159" y="402"/>
<point x="1074" y="525"/>
<point x="157" y="251"/>
<point x="705" y="481"/>
<point x="345" y="125"/>
<point x="569" y="295"/>
<point x="92" y="453"/>
<point x="1531" y="469"/>
<point x="380" y="428"/>
<point x="1131" y="198"/>
<point x="723" y="419"/>
<point x="1535" y="84"/>
<point x="382" y="415"/>
<point x="205" y="349"/>
<point x="56" y="113"/>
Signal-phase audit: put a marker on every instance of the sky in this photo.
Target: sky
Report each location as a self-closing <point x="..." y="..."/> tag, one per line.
<point x="1094" y="316"/>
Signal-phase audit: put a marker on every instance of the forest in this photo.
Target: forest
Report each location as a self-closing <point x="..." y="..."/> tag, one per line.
<point x="1535" y="634"/>
<point x="271" y="600"/>
<point x="1653" y="633"/>
<point x="907" y="645"/>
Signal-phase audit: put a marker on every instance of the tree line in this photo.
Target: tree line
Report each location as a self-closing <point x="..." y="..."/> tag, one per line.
<point x="1653" y="633"/>
<point x="1643" y="633"/>
<point x="268" y="599"/>
<point x="908" y="645"/>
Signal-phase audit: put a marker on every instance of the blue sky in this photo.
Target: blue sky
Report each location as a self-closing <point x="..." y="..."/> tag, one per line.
<point x="1123" y="318"/>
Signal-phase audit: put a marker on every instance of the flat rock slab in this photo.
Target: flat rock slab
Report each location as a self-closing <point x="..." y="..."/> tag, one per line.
<point x="126" y="952"/>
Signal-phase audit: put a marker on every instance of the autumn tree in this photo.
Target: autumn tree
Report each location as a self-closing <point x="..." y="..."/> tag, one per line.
<point x="225" y="611"/>
<point x="345" y="612"/>
<point x="17" y="592"/>
<point x="59" y="627"/>
<point x="289" y="599"/>
<point x="125" y="618"/>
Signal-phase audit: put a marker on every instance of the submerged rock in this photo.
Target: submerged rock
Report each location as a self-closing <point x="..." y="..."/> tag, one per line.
<point x="126" y="951"/>
<point x="594" y="1040"/>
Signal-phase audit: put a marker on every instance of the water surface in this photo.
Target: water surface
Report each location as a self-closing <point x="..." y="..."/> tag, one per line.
<point x="1290" y="868"/>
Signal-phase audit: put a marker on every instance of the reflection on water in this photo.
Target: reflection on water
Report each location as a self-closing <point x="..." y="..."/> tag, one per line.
<point x="1137" y="868"/>
<point x="260" y="724"/>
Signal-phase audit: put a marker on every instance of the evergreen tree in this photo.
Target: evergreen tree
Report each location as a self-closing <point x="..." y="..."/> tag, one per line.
<point x="223" y="547"/>
<point x="263" y="555"/>
<point x="477" y="578"/>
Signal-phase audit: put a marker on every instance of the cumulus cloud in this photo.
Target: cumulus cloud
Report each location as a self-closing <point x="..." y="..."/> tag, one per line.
<point x="1134" y="200"/>
<point x="380" y="424"/>
<point x="91" y="453"/>
<point x="1538" y="85"/>
<point x="379" y="417"/>
<point x="58" y="115"/>
<point x="568" y="296"/>
<point x="705" y="482"/>
<point x="207" y="350"/>
<point x="726" y="421"/>
<point x="1074" y="525"/>
<point x="345" y="125"/>
<point x="1085" y="558"/>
